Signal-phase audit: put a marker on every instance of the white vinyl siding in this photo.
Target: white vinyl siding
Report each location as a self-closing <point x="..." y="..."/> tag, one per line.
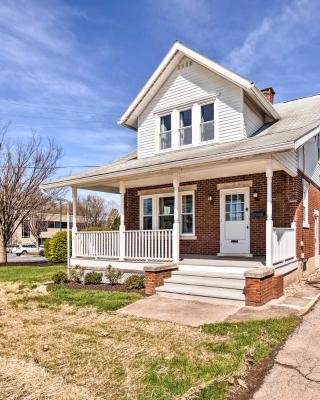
<point x="184" y="88"/>
<point x="252" y="121"/>
<point x="308" y="159"/>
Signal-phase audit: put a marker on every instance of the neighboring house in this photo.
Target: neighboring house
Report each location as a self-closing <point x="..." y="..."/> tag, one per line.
<point x="223" y="181"/>
<point x="53" y="223"/>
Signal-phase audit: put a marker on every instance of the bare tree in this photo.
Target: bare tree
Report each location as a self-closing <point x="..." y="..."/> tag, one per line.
<point x="38" y="222"/>
<point x="93" y="211"/>
<point x="24" y="167"/>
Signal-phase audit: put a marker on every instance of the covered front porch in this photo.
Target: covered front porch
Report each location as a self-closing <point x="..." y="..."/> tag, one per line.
<point x="233" y="207"/>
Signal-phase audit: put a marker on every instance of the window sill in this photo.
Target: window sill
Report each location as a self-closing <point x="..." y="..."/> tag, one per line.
<point x="188" y="237"/>
<point x="306" y="225"/>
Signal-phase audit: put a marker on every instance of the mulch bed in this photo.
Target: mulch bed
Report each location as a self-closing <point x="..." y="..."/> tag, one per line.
<point x="103" y="286"/>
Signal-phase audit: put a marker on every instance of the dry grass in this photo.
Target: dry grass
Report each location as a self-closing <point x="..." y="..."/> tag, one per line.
<point x="82" y="352"/>
<point x="60" y="352"/>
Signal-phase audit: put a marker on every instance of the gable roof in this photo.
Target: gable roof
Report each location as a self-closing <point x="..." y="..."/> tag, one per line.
<point x="166" y="67"/>
<point x="299" y="119"/>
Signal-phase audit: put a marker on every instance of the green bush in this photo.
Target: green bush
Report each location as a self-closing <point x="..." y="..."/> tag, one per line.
<point x="94" y="229"/>
<point x="113" y="274"/>
<point x="56" y="249"/>
<point x="60" y="277"/>
<point x="46" y="248"/>
<point x="93" y="278"/>
<point x="77" y="274"/>
<point x="135" y="282"/>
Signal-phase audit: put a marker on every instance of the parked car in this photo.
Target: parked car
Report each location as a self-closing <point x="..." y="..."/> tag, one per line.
<point x="25" y="249"/>
<point x="41" y="251"/>
<point x="11" y="247"/>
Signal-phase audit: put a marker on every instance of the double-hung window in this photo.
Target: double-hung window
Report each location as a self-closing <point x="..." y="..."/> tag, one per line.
<point x="166" y="212"/>
<point x="165" y="132"/>
<point x="147" y="213"/>
<point x="305" y="201"/>
<point x="187" y="214"/>
<point x="185" y="127"/>
<point x="25" y="230"/>
<point x="207" y="122"/>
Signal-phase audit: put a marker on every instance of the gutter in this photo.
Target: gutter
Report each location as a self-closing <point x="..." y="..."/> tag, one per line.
<point x="170" y="164"/>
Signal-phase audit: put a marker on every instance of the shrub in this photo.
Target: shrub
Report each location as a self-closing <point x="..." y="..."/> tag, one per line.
<point x="93" y="278"/>
<point x="56" y="249"/>
<point x="46" y="248"/>
<point x="113" y="274"/>
<point x="77" y="274"/>
<point x="135" y="282"/>
<point x="94" y="229"/>
<point x="60" y="277"/>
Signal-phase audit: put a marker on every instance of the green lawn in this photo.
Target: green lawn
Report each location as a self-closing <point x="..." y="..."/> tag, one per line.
<point x="28" y="275"/>
<point x="243" y="342"/>
<point x="101" y="300"/>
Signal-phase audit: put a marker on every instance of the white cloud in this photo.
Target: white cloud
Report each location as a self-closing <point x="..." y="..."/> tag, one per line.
<point x="276" y="36"/>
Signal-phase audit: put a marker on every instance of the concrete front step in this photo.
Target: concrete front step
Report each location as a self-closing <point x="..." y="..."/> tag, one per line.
<point x="224" y="275"/>
<point x="213" y="300"/>
<point x="207" y="281"/>
<point x="209" y="292"/>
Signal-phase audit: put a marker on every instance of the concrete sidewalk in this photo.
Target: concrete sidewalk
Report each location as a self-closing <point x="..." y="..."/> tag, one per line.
<point x="196" y="313"/>
<point x="296" y="372"/>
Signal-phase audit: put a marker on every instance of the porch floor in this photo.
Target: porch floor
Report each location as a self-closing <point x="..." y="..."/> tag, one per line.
<point x="187" y="263"/>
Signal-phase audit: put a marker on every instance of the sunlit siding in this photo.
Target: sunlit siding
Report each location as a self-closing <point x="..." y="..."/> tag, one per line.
<point x="252" y="121"/>
<point x="187" y="86"/>
<point x="308" y="160"/>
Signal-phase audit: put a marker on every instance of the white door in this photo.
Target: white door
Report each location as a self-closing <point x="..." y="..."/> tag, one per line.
<point x="316" y="237"/>
<point x="234" y="221"/>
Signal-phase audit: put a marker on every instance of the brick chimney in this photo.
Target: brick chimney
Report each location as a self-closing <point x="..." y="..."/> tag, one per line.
<point x="268" y="93"/>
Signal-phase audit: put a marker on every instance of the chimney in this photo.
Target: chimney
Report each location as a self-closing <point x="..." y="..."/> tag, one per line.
<point x="268" y="93"/>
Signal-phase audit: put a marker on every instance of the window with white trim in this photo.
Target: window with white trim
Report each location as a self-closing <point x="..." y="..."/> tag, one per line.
<point x="187" y="214"/>
<point x="147" y="213"/>
<point x="185" y="130"/>
<point x="166" y="212"/>
<point x="305" y="204"/>
<point x="207" y="122"/>
<point x="165" y="132"/>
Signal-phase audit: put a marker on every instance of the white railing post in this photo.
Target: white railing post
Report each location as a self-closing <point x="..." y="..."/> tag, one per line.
<point x="74" y="220"/>
<point x="176" y="225"/>
<point x="269" y="222"/>
<point x="294" y="227"/>
<point x="122" y="228"/>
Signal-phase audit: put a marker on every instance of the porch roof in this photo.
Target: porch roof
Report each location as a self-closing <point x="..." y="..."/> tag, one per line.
<point x="299" y="118"/>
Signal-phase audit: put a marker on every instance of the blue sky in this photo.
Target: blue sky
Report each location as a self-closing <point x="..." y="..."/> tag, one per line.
<point x="70" y="68"/>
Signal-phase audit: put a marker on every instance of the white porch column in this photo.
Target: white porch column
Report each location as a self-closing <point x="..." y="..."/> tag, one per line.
<point x="74" y="219"/>
<point x="269" y="222"/>
<point x="176" y="225"/>
<point x="122" y="228"/>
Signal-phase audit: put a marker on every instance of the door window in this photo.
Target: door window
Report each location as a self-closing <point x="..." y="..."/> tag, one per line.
<point x="234" y="207"/>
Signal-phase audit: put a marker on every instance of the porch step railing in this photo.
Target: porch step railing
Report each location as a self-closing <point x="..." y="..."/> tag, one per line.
<point x="139" y="245"/>
<point x="149" y="245"/>
<point x="284" y="244"/>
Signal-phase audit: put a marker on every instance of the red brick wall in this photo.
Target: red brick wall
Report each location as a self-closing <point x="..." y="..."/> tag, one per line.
<point x="207" y="214"/>
<point x="306" y="234"/>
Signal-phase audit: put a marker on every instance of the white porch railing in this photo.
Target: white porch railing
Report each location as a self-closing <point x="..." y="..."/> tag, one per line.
<point x="97" y="244"/>
<point x="284" y="244"/>
<point x="149" y="245"/>
<point x="139" y="245"/>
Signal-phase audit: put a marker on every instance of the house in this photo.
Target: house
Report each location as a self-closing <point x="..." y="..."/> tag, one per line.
<point x="221" y="198"/>
<point x="52" y="223"/>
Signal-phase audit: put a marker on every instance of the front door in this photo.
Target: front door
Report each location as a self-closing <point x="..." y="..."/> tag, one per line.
<point x="316" y="238"/>
<point x="234" y="221"/>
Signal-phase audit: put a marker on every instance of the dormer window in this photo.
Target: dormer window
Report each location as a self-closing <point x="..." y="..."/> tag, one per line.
<point x="165" y="132"/>
<point x="185" y="127"/>
<point x="207" y="122"/>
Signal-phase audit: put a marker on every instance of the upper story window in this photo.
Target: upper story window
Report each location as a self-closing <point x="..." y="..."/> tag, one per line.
<point x="185" y="127"/>
<point x="207" y="122"/>
<point x="165" y="132"/>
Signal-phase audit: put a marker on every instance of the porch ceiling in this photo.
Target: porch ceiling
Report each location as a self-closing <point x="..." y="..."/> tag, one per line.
<point x="255" y="164"/>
